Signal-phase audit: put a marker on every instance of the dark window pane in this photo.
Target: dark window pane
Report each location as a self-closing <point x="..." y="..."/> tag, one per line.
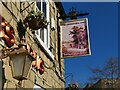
<point x="44" y="8"/>
<point x="39" y="5"/>
<point x="42" y="35"/>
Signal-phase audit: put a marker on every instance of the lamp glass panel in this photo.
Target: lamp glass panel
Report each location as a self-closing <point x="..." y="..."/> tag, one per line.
<point x="28" y="62"/>
<point x="18" y="64"/>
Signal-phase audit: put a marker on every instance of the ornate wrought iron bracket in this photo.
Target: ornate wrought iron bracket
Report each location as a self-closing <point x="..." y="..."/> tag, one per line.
<point x="21" y="10"/>
<point x="73" y="14"/>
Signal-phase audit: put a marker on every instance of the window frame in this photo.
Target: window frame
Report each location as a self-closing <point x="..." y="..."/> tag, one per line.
<point x="109" y="85"/>
<point x="46" y="43"/>
<point x="37" y="87"/>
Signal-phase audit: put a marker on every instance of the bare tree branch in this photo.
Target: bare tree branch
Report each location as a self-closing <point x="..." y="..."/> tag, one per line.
<point x="109" y="70"/>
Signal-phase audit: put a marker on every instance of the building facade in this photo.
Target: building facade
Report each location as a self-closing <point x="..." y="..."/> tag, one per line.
<point x="106" y="83"/>
<point x="44" y="42"/>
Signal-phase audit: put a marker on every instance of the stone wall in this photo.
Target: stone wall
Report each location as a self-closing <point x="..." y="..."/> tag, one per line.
<point x="53" y="76"/>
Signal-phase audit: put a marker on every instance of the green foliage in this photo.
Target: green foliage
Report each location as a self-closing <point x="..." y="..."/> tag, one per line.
<point x="38" y="16"/>
<point x="34" y="14"/>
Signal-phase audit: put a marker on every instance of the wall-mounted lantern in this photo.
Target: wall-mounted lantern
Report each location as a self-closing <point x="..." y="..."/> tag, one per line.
<point x="21" y="62"/>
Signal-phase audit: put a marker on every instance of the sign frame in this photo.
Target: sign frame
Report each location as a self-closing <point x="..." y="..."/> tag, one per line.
<point x="69" y="24"/>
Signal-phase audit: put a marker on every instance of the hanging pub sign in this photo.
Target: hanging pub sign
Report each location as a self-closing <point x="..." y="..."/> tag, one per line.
<point x="75" y="38"/>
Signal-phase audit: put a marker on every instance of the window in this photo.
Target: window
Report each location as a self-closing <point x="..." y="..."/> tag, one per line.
<point x="44" y="8"/>
<point x="43" y="35"/>
<point x="109" y="85"/>
<point x="43" y="5"/>
<point x="36" y="87"/>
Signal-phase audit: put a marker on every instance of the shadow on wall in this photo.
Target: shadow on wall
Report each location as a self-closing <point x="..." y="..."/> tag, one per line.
<point x="21" y="29"/>
<point x="2" y="75"/>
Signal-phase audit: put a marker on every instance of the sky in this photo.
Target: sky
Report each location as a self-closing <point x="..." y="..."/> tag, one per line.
<point x="103" y="34"/>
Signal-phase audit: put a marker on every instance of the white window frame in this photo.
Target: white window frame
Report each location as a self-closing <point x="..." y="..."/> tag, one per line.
<point x="36" y="87"/>
<point x="46" y="43"/>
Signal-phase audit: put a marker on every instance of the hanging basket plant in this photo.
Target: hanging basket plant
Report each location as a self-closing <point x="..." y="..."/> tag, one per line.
<point x="36" y="20"/>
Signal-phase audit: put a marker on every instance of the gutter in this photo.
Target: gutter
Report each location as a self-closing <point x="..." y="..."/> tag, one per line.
<point x="61" y="9"/>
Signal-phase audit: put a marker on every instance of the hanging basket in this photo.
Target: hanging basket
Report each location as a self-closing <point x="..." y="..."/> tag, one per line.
<point x="35" y="24"/>
<point x="35" y="20"/>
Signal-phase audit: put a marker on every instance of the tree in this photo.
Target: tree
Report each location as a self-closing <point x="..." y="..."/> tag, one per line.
<point x="109" y="70"/>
